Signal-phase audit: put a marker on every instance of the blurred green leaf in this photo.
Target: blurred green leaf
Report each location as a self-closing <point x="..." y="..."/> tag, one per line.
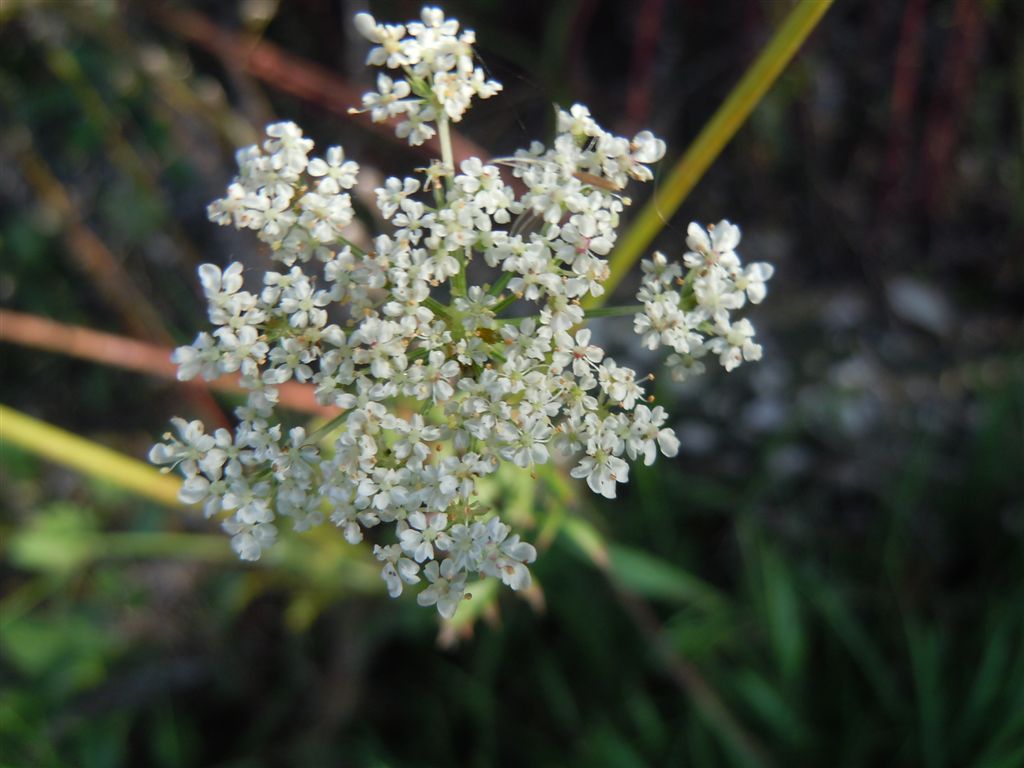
<point x="989" y="685"/>
<point x="103" y="742"/>
<point x="607" y="748"/>
<point x="483" y="593"/>
<point x="773" y="708"/>
<point x="652" y="578"/>
<point x="785" y="621"/>
<point x="61" y="538"/>
<point x="44" y="644"/>
<point x="702" y="635"/>
<point x="847" y="628"/>
<point x="925" y="646"/>
<point x="171" y="744"/>
<point x="587" y="539"/>
<point x="1007" y="745"/>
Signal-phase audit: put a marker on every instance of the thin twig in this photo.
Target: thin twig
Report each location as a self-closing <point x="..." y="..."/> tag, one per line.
<point x="132" y="355"/>
<point x="951" y="103"/>
<point x="906" y="78"/>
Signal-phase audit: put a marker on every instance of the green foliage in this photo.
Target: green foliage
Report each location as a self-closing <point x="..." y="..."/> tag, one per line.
<point x="801" y="660"/>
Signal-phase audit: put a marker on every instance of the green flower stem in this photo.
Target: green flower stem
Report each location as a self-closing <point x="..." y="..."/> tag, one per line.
<point x="734" y="111"/>
<point x="172" y="546"/>
<point x="436" y="307"/>
<point x="459" y="279"/>
<point x="325" y="429"/>
<point x="631" y="309"/>
<point x="355" y="248"/>
<point x="504" y="304"/>
<point x="499" y="284"/>
<point x="87" y="457"/>
<point x="623" y="311"/>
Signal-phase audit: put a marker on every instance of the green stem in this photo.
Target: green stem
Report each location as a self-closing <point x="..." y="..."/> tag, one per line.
<point x="317" y="434"/>
<point x="436" y="307"/>
<point x="459" y="279"/>
<point x="355" y="248"/>
<point x="172" y="546"/>
<point x="504" y="303"/>
<point x="631" y="309"/>
<point x="624" y="311"/>
<point x="498" y="354"/>
<point x="499" y="284"/>
<point x="734" y="111"/>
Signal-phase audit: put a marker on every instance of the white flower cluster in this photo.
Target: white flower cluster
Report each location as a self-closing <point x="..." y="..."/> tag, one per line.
<point x="691" y="314"/>
<point x="434" y="385"/>
<point x="439" y="75"/>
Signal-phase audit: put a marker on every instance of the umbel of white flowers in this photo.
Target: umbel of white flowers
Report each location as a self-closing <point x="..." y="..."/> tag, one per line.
<point x="434" y="386"/>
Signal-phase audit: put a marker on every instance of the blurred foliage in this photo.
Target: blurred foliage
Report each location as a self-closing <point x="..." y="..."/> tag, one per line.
<point x="831" y="573"/>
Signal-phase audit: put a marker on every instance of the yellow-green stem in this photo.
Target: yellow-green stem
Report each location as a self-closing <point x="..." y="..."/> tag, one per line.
<point x="734" y="111"/>
<point x="87" y="457"/>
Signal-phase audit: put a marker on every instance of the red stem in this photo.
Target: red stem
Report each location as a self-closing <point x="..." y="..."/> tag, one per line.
<point x="104" y="348"/>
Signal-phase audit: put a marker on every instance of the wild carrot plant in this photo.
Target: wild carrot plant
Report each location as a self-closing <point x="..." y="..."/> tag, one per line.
<point x="455" y="342"/>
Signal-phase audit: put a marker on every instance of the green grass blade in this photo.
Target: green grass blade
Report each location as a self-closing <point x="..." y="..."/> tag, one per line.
<point x="991" y="677"/>
<point x="657" y="579"/>
<point x="87" y="457"/>
<point x="842" y="620"/>
<point x="925" y="646"/>
<point x="773" y="708"/>
<point x="784" y="616"/>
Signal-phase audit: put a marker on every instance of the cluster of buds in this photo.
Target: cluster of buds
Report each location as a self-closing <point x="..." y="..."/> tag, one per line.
<point x="437" y="377"/>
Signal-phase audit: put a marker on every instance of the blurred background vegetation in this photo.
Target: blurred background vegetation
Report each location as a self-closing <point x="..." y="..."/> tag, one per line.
<point x="831" y="573"/>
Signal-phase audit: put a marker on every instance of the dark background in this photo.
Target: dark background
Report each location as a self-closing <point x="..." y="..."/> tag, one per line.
<point x="829" y="574"/>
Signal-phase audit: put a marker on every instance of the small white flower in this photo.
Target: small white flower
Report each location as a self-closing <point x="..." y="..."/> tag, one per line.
<point x="394" y="191"/>
<point x="397" y="570"/>
<point x="202" y="357"/>
<point x="601" y="468"/>
<point x="249" y="540"/>
<point x="735" y="343"/>
<point x="646" y="148"/>
<point x="337" y="173"/>
<point x="752" y="280"/>
<point x="447" y="587"/>
<point x="583" y="355"/>
<point x="388" y="100"/>
<point x="715" y="246"/>
<point x="423" y="534"/>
